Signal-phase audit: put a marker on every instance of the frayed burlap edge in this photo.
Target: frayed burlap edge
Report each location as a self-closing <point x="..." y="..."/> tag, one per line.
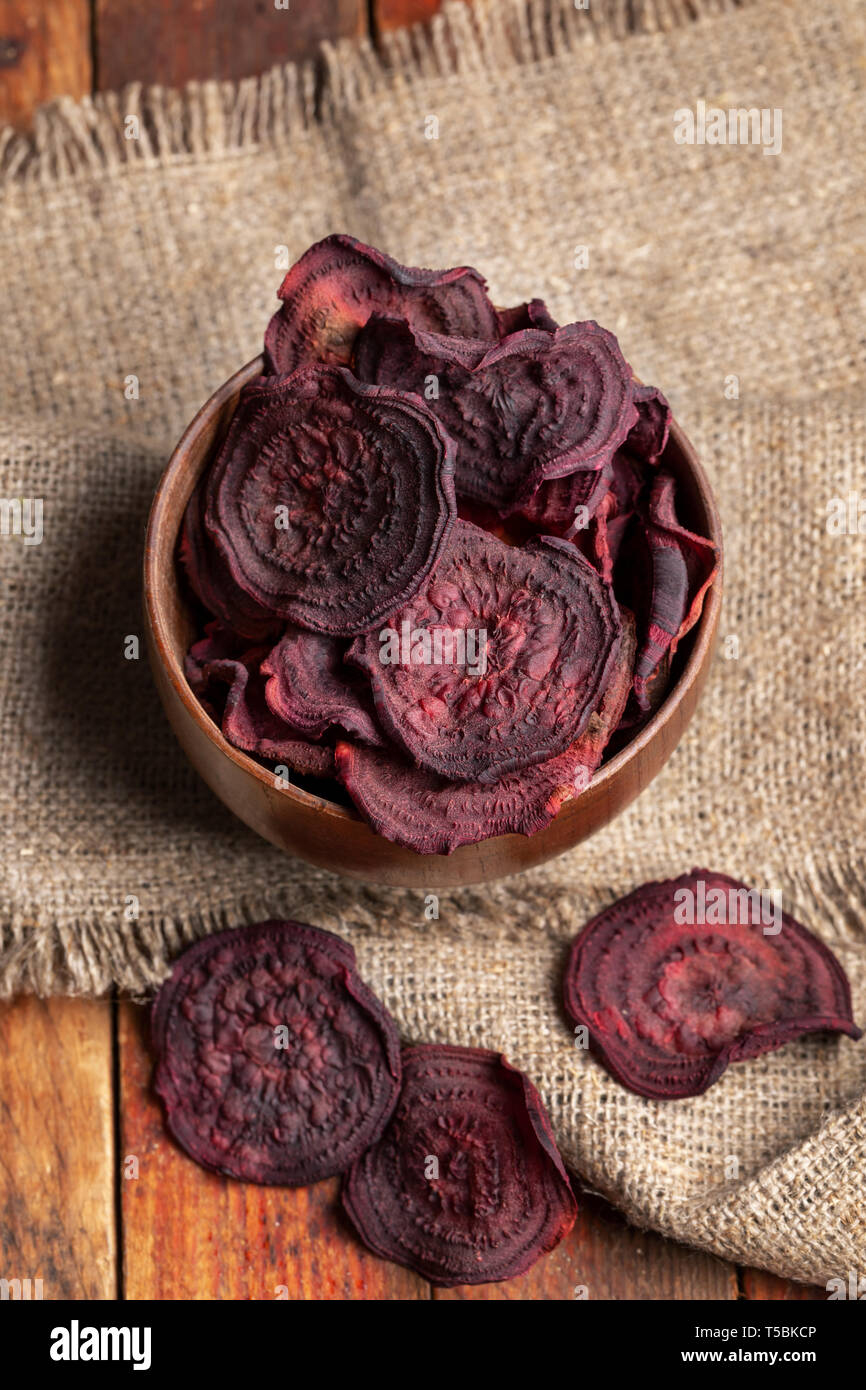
<point x="72" y="138"/>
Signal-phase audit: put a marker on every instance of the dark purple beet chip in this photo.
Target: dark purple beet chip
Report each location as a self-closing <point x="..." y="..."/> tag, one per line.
<point x="679" y="979"/>
<point x="601" y="540"/>
<point x="335" y="286"/>
<point x="466" y="1185"/>
<point x="313" y="690"/>
<point x="565" y="506"/>
<point x="211" y="581"/>
<point x="219" y="643"/>
<point x="276" y="1063"/>
<point x="430" y="815"/>
<point x="250" y="725"/>
<point x="649" y="435"/>
<point x="663" y="575"/>
<point x="534" y="314"/>
<point x="499" y="661"/>
<point x="536" y="406"/>
<point x="330" y="500"/>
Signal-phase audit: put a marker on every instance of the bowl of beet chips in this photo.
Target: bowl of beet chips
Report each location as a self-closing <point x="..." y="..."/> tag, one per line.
<point x="431" y="586"/>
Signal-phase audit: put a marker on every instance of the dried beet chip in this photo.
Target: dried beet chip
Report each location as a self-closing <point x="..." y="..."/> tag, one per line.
<point x="211" y="581"/>
<point x="219" y="643"/>
<point x="499" y="661"/>
<point x="313" y="690"/>
<point x="649" y="435"/>
<point x="601" y="540"/>
<point x="532" y="315"/>
<point x="536" y="406"/>
<point x="335" y="286"/>
<point x="276" y="1064"/>
<point x="666" y="571"/>
<point x="250" y="725"/>
<point x="429" y="814"/>
<point x="669" y="1003"/>
<point x="497" y="1196"/>
<point x="330" y="499"/>
<point x="565" y="506"/>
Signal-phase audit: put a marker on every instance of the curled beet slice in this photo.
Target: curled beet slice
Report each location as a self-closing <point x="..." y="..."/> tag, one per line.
<point x="275" y="1063"/>
<point x="219" y="643"/>
<point x="666" y="571"/>
<point x="679" y="978"/>
<point x="538" y="405"/>
<point x="534" y="314"/>
<point x="211" y="581"/>
<point x="250" y="725"/>
<point x="330" y="500"/>
<point x="466" y="1185"/>
<point x="313" y="690"/>
<point x="609" y="522"/>
<point x="428" y="814"/>
<point x="565" y="506"/>
<point x="335" y="286"/>
<point x="498" y="663"/>
<point x="649" y="434"/>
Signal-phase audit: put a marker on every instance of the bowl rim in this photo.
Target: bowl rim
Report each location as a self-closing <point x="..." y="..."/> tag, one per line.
<point x="206" y="416"/>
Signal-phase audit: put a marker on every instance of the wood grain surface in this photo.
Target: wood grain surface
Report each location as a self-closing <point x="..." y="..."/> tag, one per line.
<point x="189" y="1234"/>
<point x="175" y="41"/>
<point x="57" y="1212"/>
<point x="95" y="1199"/>
<point x="45" y="51"/>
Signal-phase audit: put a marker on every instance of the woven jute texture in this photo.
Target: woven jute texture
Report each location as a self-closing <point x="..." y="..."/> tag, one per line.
<point x="734" y="280"/>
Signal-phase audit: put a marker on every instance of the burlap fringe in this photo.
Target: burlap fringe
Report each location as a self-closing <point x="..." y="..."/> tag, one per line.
<point x="140" y="126"/>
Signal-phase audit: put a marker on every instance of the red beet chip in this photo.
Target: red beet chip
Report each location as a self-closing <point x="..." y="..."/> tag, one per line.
<point x="466" y="1185"/>
<point x="669" y="1001"/>
<point x="499" y="661"/>
<point x="534" y="314"/>
<point x="609" y="521"/>
<point x="330" y="500"/>
<point x="276" y="1064"/>
<point x="313" y="690"/>
<point x="211" y="581"/>
<point x="649" y="435"/>
<point x="666" y="571"/>
<point x="335" y="286"/>
<point x="428" y="814"/>
<point x="219" y="643"/>
<point x="250" y="725"/>
<point x="538" y="405"/>
<point x="565" y="506"/>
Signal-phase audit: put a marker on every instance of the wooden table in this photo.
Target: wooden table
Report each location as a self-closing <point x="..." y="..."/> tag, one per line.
<point x="94" y="1198"/>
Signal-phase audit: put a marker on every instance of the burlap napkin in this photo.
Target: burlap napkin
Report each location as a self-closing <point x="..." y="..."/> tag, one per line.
<point x="137" y="273"/>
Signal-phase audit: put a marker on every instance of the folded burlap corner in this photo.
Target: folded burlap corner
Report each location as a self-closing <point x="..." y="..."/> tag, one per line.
<point x="728" y="277"/>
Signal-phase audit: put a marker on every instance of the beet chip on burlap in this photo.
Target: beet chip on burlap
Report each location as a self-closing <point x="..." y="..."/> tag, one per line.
<point x="669" y="1003"/>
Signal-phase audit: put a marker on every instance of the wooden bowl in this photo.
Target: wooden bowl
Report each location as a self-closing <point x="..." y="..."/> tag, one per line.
<point x="326" y="834"/>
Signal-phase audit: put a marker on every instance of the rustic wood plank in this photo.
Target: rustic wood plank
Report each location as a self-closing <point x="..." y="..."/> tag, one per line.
<point x="44" y="53"/>
<point x="393" y="14"/>
<point x="605" y="1258"/>
<point x="760" y="1286"/>
<point x="173" y="41"/>
<point x="57" y="1216"/>
<point x="188" y="1234"/>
